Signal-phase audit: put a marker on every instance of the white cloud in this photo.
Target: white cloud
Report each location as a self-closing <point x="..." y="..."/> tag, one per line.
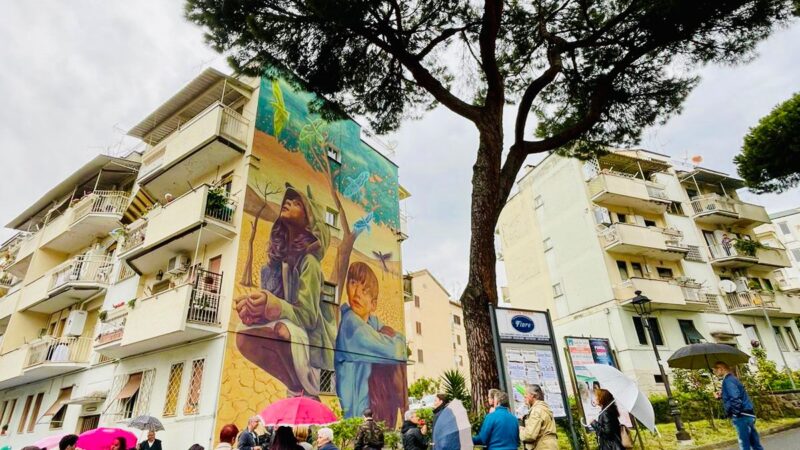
<point x="75" y="73"/>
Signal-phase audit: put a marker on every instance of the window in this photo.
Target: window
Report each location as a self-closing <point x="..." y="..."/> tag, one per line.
<point x="419" y="328"/>
<point x="8" y="411"/>
<point x="457" y="320"/>
<point x="675" y="208"/>
<point x="784" y="228"/>
<point x="87" y="423"/>
<point x="622" y="218"/>
<point x="419" y="356"/>
<point x="690" y="333"/>
<point x="329" y="306"/>
<point x="331" y="217"/>
<point x="173" y="389"/>
<point x="623" y="270"/>
<point x="195" y="383"/>
<point x="637" y="270"/>
<point x="779" y="339"/>
<point x="460" y="360"/>
<point x="538" y="202"/>
<point x="548" y="244"/>
<point x="650" y="223"/>
<point x="641" y="332"/>
<point x="130" y="395"/>
<point x="557" y="290"/>
<point x="59" y="409"/>
<point x="664" y="273"/>
<point x="458" y="339"/>
<point x="37" y="405"/>
<point x="327" y="382"/>
<point x="25" y="410"/>
<point x="328" y="292"/>
<point x="658" y="378"/>
<point x="767" y="284"/>
<point x="792" y="338"/>
<point x="752" y="332"/>
<point x="691" y="193"/>
<point x="796" y="254"/>
<point x="334" y="154"/>
<point x="416" y="301"/>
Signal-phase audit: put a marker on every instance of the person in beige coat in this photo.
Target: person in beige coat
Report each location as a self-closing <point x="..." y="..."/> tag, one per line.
<point x="538" y="430"/>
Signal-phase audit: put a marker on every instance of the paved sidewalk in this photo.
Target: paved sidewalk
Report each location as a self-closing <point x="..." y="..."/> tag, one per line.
<point x="789" y="439"/>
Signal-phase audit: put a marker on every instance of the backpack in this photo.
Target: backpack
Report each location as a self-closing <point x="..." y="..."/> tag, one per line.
<point x="373" y="435"/>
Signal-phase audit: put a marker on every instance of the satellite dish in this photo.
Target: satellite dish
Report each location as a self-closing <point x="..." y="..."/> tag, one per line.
<point x="697" y="159"/>
<point x="727" y="286"/>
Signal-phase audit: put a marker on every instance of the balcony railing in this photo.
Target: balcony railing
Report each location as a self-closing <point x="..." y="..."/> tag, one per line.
<point x="135" y="237"/>
<point x="51" y="349"/>
<point x="205" y="300"/>
<point x="111" y="330"/>
<point x="220" y="206"/>
<point x="722" y="251"/>
<point x="750" y="299"/>
<point x="9" y="254"/>
<point x="100" y="202"/>
<point x="713" y="203"/>
<point x="82" y="269"/>
<point x="788" y="283"/>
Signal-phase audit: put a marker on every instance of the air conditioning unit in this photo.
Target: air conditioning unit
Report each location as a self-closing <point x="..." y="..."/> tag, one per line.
<point x="178" y="264"/>
<point x="75" y="323"/>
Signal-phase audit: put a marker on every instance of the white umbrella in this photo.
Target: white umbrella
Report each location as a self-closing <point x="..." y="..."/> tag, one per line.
<point x="626" y="392"/>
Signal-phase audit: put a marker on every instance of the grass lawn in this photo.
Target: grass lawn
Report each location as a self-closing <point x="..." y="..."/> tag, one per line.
<point x="701" y="432"/>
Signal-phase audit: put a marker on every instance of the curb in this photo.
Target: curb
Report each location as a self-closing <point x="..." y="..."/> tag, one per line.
<point x="730" y="442"/>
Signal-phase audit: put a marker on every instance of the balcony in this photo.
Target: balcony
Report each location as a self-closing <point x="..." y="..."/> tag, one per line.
<point x="181" y="314"/>
<point x="664" y="244"/>
<point x="71" y="282"/>
<point x="718" y="209"/>
<point x="211" y="139"/>
<point x="11" y="367"/>
<point x="787" y="284"/>
<point x="196" y="219"/>
<point x="91" y="217"/>
<point x="51" y="356"/>
<point x="111" y="331"/>
<point x="727" y="255"/>
<point x="665" y="294"/>
<point x="17" y="254"/>
<point x="619" y="189"/>
<point x="755" y="303"/>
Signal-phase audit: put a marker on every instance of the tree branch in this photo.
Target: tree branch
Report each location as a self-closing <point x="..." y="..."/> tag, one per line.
<point x="446" y="34"/>
<point x="492" y="17"/>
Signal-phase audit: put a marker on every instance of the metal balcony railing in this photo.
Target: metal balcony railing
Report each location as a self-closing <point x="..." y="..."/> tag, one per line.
<point x="205" y="300"/>
<point x="135" y="237"/>
<point x="111" y="330"/>
<point x="100" y="202"/>
<point x="51" y="349"/>
<point x="750" y="299"/>
<point x="713" y="203"/>
<point x="722" y="251"/>
<point x="82" y="269"/>
<point x="218" y="208"/>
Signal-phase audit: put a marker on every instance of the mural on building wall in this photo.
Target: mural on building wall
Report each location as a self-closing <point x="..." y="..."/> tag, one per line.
<point x="319" y="286"/>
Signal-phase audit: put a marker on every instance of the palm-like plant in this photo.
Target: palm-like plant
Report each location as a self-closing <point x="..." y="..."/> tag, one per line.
<point x="454" y="386"/>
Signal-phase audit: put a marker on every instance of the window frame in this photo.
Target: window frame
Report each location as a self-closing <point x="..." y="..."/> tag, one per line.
<point x="792" y="338"/>
<point x="334" y="215"/>
<point x="638" y="325"/>
<point x="174" y="411"/>
<point x="420" y="356"/>
<point x="780" y="340"/>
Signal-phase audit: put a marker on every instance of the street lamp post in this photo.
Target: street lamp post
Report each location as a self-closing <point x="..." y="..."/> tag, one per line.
<point x="643" y="307"/>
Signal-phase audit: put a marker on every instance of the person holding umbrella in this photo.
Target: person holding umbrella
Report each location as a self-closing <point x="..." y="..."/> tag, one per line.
<point x="738" y="407"/>
<point x="538" y="430"/>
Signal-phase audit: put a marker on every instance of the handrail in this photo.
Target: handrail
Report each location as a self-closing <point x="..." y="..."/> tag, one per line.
<point x="84" y="268"/>
<point x="51" y="349"/>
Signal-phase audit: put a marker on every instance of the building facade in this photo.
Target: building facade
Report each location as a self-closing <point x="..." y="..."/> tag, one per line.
<point x="580" y="238"/>
<point x="786" y="226"/>
<point x="248" y="253"/>
<point x="435" y="332"/>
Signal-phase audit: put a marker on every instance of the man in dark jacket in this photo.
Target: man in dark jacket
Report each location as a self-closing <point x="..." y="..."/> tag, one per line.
<point x="738" y="407"/>
<point x="413" y="435"/>
<point x="248" y="440"/>
<point x="151" y="443"/>
<point x="370" y="435"/>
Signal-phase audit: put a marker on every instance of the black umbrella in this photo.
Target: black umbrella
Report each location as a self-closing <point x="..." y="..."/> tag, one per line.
<point x="704" y="355"/>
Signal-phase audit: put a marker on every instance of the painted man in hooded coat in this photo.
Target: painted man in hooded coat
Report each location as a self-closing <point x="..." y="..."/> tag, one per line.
<point x="286" y="332"/>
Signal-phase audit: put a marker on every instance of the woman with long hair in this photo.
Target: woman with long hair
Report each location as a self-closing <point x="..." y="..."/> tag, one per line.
<point x="607" y="426"/>
<point x="285" y="440"/>
<point x="119" y="443"/>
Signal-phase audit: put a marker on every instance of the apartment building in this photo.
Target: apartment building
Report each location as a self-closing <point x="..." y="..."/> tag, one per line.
<point x="580" y="238"/>
<point x="205" y="275"/>
<point x="786" y="227"/>
<point x="435" y="333"/>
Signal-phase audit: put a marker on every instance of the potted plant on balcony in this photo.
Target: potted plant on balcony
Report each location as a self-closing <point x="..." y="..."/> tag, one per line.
<point x="103" y="315"/>
<point x="747" y="247"/>
<point x="217" y="203"/>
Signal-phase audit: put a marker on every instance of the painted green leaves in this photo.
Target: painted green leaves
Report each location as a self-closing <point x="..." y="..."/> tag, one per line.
<point x="281" y="117"/>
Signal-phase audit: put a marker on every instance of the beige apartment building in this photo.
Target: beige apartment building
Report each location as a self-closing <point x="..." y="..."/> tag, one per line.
<point x="118" y="293"/>
<point x="786" y="226"/>
<point x="579" y="238"/>
<point x="434" y="329"/>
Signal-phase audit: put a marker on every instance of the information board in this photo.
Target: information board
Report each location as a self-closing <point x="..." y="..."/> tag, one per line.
<point x="585" y="351"/>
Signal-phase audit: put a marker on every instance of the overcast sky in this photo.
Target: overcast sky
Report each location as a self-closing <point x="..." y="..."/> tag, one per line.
<point x="76" y="75"/>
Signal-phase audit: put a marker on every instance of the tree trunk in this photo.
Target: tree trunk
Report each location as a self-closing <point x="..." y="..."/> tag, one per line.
<point x="247" y="275"/>
<point x="481" y="287"/>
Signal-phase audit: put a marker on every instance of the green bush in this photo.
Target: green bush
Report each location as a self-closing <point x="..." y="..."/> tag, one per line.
<point x="423" y="386"/>
<point x="345" y="432"/>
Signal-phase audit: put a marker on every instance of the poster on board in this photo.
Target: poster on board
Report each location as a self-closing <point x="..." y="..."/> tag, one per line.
<point x="584" y="352"/>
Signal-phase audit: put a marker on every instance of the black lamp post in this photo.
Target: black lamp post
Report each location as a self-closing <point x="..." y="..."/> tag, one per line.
<point x="644" y="307"/>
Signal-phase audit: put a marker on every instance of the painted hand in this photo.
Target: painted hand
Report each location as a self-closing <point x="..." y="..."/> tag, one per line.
<point x="251" y="308"/>
<point x="387" y="330"/>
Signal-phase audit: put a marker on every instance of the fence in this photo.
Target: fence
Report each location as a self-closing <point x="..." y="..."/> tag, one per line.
<point x="59" y="350"/>
<point x="204" y="303"/>
<point x="220" y="206"/>
<point x="101" y="202"/>
<point x="84" y="268"/>
<point x="749" y="299"/>
<point x="713" y="203"/>
<point x="135" y="237"/>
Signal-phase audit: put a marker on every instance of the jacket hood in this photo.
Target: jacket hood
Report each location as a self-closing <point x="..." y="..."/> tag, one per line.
<point x="542" y="406"/>
<point x="315" y="213"/>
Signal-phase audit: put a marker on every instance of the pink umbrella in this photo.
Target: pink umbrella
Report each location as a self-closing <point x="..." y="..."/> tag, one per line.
<point x="50" y="442"/>
<point x="297" y="411"/>
<point x="102" y="438"/>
